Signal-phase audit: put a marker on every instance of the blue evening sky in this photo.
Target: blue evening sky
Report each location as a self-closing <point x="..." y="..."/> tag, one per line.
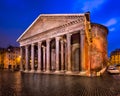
<point x="17" y="15"/>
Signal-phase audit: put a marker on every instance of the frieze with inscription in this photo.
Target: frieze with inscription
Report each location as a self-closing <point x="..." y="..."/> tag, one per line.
<point x="64" y="29"/>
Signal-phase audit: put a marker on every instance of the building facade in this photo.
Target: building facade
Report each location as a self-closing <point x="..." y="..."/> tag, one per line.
<point x="2" y="55"/>
<point x="10" y="58"/>
<point x="64" y="44"/>
<point x="115" y="57"/>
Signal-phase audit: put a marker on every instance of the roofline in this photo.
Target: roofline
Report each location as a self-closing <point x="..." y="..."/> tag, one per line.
<point x="63" y="14"/>
<point x="82" y="14"/>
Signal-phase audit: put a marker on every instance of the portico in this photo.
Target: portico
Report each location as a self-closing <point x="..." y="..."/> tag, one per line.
<point x="44" y="55"/>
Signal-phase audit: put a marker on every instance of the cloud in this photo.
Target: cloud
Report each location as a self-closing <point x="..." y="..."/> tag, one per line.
<point x="112" y="29"/>
<point x="92" y="5"/>
<point x="111" y="22"/>
<point x="88" y="5"/>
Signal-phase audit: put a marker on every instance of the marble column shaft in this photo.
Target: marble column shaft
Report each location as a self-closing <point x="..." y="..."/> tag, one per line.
<point x="66" y="59"/>
<point x="32" y="57"/>
<point x="62" y="55"/>
<point x="44" y="58"/>
<point x="82" y="49"/>
<point x="26" y="57"/>
<point x="53" y="61"/>
<point x="39" y="56"/>
<point x="69" y="52"/>
<point x="48" y="55"/>
<point x="57" y="53"/>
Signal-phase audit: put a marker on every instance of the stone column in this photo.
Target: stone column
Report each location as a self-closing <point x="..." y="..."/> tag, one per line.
<point x="27" y="58"/>
<point x="32" y="58"/>
<point x="21" y="58"/>
<point x="66" y="59"/>
<point x="62" y="55"/>
<point x="57" y="53"/>
<point x="69" y="67"/>
<point x="44" y="57"/>
<point x="39" y="57"/>
<point x="53" y="61"/>
<point x="48" y="55"/>
<point x="82" y="50"/>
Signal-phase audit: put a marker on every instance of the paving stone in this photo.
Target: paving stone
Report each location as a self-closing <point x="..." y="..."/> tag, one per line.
<point x="16" y="84"/>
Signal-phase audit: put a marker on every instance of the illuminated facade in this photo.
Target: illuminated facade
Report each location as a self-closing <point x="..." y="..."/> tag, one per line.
<point x="2" y="55"/>
<point x="115" y="57"/>
<point x="10" y="58"/>
<point x="64" y="44"/>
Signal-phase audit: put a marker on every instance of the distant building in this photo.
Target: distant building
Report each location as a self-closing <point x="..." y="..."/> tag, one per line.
<point x="115" y="57"/>
<point x="10" y="58"/>
<point x="64" y="44"/>
<point x="2" y="55"/>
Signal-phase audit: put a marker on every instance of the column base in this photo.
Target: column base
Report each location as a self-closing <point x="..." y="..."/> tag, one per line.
<point x="38" y="71"/>
<point x="47" y="71"/>
<point x="69" y="72"/>
<point x="57" y="71"/>
<point x="62" y="71"/>
<point x="32" y="71"/>
<point x="26" y="71"/>
<point x="83" y="73"/>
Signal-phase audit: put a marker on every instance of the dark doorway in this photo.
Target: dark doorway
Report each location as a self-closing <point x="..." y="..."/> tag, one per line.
<point x="9" y="67"/>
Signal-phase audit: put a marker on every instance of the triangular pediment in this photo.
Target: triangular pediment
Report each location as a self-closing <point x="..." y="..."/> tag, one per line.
<point x="46" y="22"/>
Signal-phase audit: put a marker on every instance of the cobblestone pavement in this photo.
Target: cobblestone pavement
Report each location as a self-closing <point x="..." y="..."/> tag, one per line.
<point x="16" y="84"/>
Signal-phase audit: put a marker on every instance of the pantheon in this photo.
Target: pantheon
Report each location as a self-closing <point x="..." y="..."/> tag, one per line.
<point x="65" y="44"/>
